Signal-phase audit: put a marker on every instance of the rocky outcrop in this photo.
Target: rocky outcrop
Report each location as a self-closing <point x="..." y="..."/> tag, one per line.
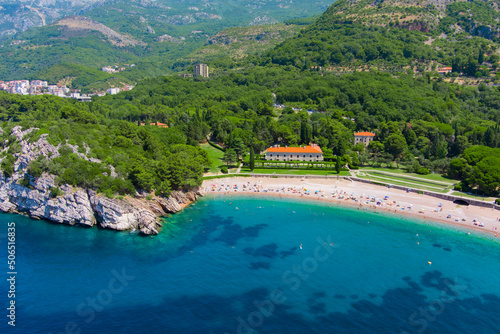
<point x="167" y="38"/>
<point x="78" y="206"/>
<point x="120" y="215"/>
<point x="71" y="208"/>
<point x="85" y="23"/>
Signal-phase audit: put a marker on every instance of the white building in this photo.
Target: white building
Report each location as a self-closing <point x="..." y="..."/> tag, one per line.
<point x="303" y="153"/>
<point x="201" y="69"/>
<point x="39" y="83"/>
<point x="108" y="69"/>
<point x="113" y="91"/>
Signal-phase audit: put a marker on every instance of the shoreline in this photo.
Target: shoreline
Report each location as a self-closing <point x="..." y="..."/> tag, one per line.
<point x="367" y="197"/>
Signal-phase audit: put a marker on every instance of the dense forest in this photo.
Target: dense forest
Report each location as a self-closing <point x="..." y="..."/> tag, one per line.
<point x="131" y="156"/>
<point x="421" y="123"/>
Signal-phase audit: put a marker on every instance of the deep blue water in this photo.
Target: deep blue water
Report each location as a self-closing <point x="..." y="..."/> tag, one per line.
<point x="235" y="266"/>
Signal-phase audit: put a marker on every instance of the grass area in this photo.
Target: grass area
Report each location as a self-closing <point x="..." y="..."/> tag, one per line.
<point x="481" y="198"/>
<point x="224" y="176"/>
<point x="433" y="177"/>
<point x="294" y="172"/>
<point x="423" y="182"/>
<point x="215" y="156"/>
<point x="410" y="183"/>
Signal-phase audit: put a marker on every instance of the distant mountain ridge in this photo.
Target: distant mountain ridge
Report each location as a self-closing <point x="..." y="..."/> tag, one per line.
<point x="20" y="15"/>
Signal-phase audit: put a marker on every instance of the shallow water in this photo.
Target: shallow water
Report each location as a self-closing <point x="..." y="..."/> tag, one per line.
<point x="234" y="265"/>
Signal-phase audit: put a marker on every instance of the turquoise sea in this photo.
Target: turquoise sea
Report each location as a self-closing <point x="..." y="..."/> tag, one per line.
<point x="235" y="265"/>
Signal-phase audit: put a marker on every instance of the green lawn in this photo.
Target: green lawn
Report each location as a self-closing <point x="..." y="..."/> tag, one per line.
<point x="410" y="179"/>
<point x="294" y="172"/>
<point x="481" y="198"/>
<point x="215" y="156"/>
<point x="224" y="176"/>
<point x="410" y="183"/>
<point x="433" y="177"/>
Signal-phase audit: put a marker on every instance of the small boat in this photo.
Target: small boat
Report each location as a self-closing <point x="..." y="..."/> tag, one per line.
<point x="300" y="246"/>
<point x="133" y="230"/>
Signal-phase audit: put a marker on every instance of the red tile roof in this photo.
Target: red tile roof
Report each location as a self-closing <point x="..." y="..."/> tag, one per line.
<point x="161" y="125"/>
<point x="306" y="149"/>
<point x="366" y="134"/>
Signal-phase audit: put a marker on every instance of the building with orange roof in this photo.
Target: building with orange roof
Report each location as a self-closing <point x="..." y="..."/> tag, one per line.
<point x="302" y="153"/>
<point x="445" y="70"/>
<point x="363" y="137"/>
<point x="158" y="124"/>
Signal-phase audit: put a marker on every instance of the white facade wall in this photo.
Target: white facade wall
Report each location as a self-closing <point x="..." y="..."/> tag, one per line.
<point x="363" y="139"/>
<point x="273" y="156"/>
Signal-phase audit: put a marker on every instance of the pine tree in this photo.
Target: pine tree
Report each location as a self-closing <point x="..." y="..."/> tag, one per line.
<point x="229" y="157"/>
<point x="480" y="58"/>
<point x="471" y="67"/>
<point x="252" y="159"/>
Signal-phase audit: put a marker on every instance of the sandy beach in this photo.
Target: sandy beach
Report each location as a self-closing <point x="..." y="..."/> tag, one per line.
<point x="361" y="195"/>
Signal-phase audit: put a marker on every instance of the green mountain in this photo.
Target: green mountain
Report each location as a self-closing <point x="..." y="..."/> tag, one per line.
<point x="150" y="34"/>
<point x="416" y="35"/>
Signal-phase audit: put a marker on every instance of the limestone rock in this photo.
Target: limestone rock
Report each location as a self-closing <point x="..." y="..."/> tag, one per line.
<point x="169" y="205"/>
<point x="112" y="213"/>
<point x="72" y="208"/>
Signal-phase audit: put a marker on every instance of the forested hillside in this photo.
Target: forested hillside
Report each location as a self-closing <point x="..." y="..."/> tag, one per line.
<point x="418" y="36"/>
<point x="419" y="118"/>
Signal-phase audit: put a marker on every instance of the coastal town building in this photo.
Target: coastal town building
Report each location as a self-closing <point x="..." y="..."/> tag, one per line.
<point x="109" y="69"/>
<point x="39" y="83"/>
<point x="363" y="137"/>
<point x="302" y="153"/>
<point x="113" y="91"/>
<point x="41" y="87"/>
<point x="201" y="69"/>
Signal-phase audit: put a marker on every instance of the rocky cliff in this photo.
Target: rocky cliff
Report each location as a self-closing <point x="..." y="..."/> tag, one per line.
<point x="78" y="206"/>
